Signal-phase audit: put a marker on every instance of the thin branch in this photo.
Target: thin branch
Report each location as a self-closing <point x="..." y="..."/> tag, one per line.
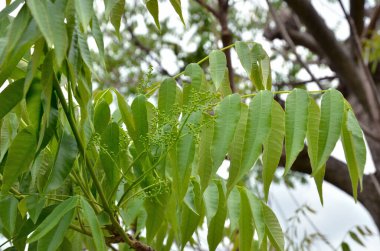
<point x="357" y="14"/>
<point x="305" y="81"/>
<point x="368" y="31"/>
<point x="208" y="7"/>
<point x="288" y="39"/>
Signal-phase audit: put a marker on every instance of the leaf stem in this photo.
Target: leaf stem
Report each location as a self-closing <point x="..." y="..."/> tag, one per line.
<point x="283" y="92"/>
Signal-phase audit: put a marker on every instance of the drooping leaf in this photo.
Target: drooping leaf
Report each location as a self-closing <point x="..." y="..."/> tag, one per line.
<point x="64" y="160"/>
<point x="195" y="72"/>
<point x="116" y="15"/>
<point x="53" y="218"/>
<point x="244" y="55"/>
<point x="204" y="151"/>
<point x="227" y="115"/>
<point x="152" y="6"/>
<point x="155" y="209"/>
<point x="11" y="96"/>
<point x="98" y="36"/>
<point x="8" y="213"/>
<point x="354" y="149"/>
<point x="332" y="110"/>
<point x="20" y="156"/>
<point x="296" y="112"/>
<point x="246" y="222"/>
<point x="356" y="238"/>
<point x="94" y="224"/>
<point x="84" y="10"/>
<point x="273" y="228"/>
<point x="167" y="97"/>
<point x="233" y="204"/>
<point x="236" y="148"/>
<point x="126" y="114"/>
<point x="256" y="72"/>
<point x="257" y="131"/>
<point x="218" y="64"/>
<point x="139" y="112"/>
<point x="177" y="7"/>
<point x="258" y="217"/>
<point x="102" y="116"/>
<point x="273" y="146"/>
<point x="53" y="239"/>
<point x="216" y="224"/>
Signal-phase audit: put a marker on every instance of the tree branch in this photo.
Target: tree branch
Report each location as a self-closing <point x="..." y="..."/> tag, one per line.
<point x="208" y="7"/>
<point x="368" y="31"/>
<point x="340" y="60"/>
<point x="357" y="14"/>
<point x="304" y="82"/>
<point x="291" y="44"/>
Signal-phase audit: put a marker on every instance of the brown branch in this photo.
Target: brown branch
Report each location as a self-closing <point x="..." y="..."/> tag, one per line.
<point x="208" y="7"/>
<point x="339" y="58"/>
<point x="304" y="82"/>
<point x="368" y="31"/>
<point x="291" y="44"/>
<point x="357" y="14"/>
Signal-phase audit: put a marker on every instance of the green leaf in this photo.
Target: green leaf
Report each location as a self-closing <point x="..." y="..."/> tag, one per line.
<point x="258" y="216"/>
<point x="225" y="87"/>
<point x="345" y="246"/>
<point x="356" y="238"/>
<point x="8" y="214"/>
<point x="227" y="115"/>
<point x="258" y="128"/>
<point x="233" y="204"/>
<point x="84" y="50"/>
<point x="273" y="146"/>
<point x="20" y="156"/>
<point x="53" y="218"/>
<point x="256" y="72"/>
<point x="152" y="6"/>
<point x="155" y="208"/>
<point x="102" y="116"/>
<point x="211" y="200"/>
<point x="126" y="114"/>
<point x="116" y="14"/>
<point x="177" y="7"/>
<point x="98" y="36"/>
<point x="52" y="240"/>
<point x="216" y="224"/>
<point x="139" y="112"/>
<point x="92" y="220"/>
<point x="11" y="96"/>
<point x="236" y="148"/>
<point x="64" y="160"/>
<point x="332" y="110"/>
<point x="50" y="19"/>
<point x="296" y="112"/>
<point x="85" y="10"/>
<point x="195" y="72"/>
<point x="312" y="136"/>
<point x="273" y="228"/>
<point x="204" y="151"/>
<point x="190" y="218"/>
<point x="354" y="149"/>
<point x="167" y="97"/>
<point x="244" y="55"/>
<point x="218" y="64"/>
<point x="246" y="223"/>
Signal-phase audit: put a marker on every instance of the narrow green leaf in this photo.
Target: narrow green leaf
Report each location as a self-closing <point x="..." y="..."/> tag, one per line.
<point x="102" y="116"/>
<point x="227" y="115"/>
<point x="195" y="72"/>
<point x="312" y="136"/>
<point x="177" y="7"/>
<point x="356" y="238"/>
<point x="236" y="148"/>
<point x="296" y="113"/>
<point x="204" y="151"/>
<point x="258" y="128"/>
<point x="64" y="160"/>
<point x="20" y="156"/>
<point x="273" y="228"/>
<point x="233" y="204"/>
<point x="152" y="6"/>
<point x="244" y="55"/>
<point x="246" y="223"/>
<point x="216" y="224"/>
<point x="40" y="13"/>
<point x="11" y="96"/>
<point x="126" y="114"/>
<point x="167" y="97"/>
<point x="98" y="36"/>
<point x="116" y="15"/>
<point x="218" y="64"/>
<point x="53" y="219"/>
<point x="345" y="246"/>
<point x="52" y="240"/>
<point x="84" y="50"/>
<point x="92" y="220"/>
<point x="266" y="70"/>
<point x="256" y="72"/>
<point x="139" y="112"/>
<point x="258" y="216"/>
<point x="225" y="87"/>
<point x="273" y="146"/>
<point x="109" y="5"/>
<point x="332" y="110"/>
<point x="8" y="214"/>
<point x="354" y="149"/>
<point x="84" y="10"/>
<point x="155" y="208"/>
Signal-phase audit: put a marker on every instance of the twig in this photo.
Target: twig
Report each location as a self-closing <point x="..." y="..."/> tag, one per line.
<point x="368" y="31"/>
<point x="304" y="82"/>
<point x="289" y="40"/>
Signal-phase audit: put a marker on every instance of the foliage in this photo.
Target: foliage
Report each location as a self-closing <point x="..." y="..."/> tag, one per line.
<point x="70" y="163"/>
